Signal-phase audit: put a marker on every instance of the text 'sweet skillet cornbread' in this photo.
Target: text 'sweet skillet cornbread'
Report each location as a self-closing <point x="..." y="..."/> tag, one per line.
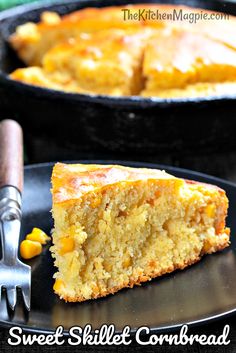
<point x="98" y="51"/>
<point x="116" y="226"/>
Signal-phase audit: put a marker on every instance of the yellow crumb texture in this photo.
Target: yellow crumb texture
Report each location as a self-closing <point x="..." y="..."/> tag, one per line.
<point x="116" y="226"/>
<point x="98" y="51"/>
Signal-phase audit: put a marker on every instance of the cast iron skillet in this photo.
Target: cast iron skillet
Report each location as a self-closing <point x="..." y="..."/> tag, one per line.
<point x="131" y="125"/>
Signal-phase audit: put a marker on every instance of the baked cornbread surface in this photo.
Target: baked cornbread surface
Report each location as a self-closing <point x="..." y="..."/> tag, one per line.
<point x="96" y="51"/>
<point x="115" y="227"/>
<point x="112" y="67"/>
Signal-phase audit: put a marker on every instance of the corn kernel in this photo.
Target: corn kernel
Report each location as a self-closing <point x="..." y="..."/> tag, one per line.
<point x="95" y="202"/>
<point x="127" y="261"/>
<point x="38" y="235"/>
<point x="210" y="210"/>
<point x="30" y="249"/>
<point x="206" y="247"/>
<point x="158" y="193"/>
<point x="58" y="285"/>
<point x="107" y="266"/>
<point x="66" y="245"/>
<point x="96" y="289"/>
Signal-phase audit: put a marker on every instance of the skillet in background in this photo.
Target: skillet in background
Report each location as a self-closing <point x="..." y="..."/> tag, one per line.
<point x="60" y="125"/>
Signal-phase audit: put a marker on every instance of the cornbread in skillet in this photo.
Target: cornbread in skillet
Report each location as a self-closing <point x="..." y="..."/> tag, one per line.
<point x="106" y="62"/>
<point x="32" y="41"/>
<point x="98" y="51"/>
<point x="116" y="227"/>
<point x="181" y="58"/>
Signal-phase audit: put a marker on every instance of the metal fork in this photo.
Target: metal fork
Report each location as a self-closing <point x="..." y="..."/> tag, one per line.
<point x="13" y="273"/>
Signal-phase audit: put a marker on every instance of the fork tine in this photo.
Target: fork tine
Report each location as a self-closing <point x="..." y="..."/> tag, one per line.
<point x="11" y="297"/>
<point x="26" y="296"/>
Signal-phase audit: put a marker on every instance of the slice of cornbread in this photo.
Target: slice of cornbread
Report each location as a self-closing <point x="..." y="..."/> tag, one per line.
<point x="176" y="58"/>
<point x="117" y="226"/>
<point x="107" y="62"/>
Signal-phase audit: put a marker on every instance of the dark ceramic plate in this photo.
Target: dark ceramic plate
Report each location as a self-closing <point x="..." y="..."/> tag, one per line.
<point x="102" y="123"/>
<point x="201" y="293"/>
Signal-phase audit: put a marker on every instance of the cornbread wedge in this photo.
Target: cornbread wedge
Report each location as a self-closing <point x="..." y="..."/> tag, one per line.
<point x="106" y="62"/>
<point x="179" y="58"/>
<point x="116" y="227"/>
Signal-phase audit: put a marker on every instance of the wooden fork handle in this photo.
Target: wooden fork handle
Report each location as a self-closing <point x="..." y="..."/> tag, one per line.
<point x="11" y="154"/>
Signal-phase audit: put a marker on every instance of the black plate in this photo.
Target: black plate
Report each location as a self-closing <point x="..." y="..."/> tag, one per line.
<point x="104" y="123"/>
<point x="203" y="292"/>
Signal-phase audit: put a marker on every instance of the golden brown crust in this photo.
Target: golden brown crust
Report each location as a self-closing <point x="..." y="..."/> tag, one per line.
<point x="107" y="62"/>
<point x="183" y="58"/>
<point x="71" y="181"/>
<point x="93" y="19"/>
